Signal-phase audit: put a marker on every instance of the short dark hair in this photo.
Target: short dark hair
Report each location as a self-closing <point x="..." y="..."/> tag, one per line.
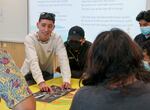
<point x="113" y="56"/>
<point x="144" y="15"/>
<point x="147" y="16"/>
<point x="140" y="16"/>
<point x="48" y="16"/>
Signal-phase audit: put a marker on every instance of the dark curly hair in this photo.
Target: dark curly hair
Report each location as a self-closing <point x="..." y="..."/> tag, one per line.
<point x="113" y="56"/>
<point x="144" y="15"/>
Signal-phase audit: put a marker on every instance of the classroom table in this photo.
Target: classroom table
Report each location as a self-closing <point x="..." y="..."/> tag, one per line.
<point x="62" y="103"/>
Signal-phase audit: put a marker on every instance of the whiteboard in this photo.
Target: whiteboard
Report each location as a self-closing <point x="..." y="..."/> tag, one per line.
<point x="13" y="20"/>
<point x="94" y="16"/>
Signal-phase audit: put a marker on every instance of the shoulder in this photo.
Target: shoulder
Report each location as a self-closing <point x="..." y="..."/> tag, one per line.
<point x="86" y="91"/>
<point x="89" y="93"/>
<point x="31" y="37"/>
<point x="56" y="39"/>
<point x="88" y="43"/>
<point x="81" y="93"/>
<point x="139" y="36"/>
<point x="54" y="35"/>
<point x="32" y="34"/>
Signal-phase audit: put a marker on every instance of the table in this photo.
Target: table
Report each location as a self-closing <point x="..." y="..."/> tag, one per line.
<point x="62" y="103"/>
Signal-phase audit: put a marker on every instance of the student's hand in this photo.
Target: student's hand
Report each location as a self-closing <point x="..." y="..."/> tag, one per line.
<point x="66" y="85"/>
<point x="44" y="87"/>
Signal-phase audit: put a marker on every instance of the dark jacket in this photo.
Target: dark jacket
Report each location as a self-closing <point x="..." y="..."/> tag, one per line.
<point x="77" y="59"/>
<point x="135" y="96"/>
<point x="140" y="39"/>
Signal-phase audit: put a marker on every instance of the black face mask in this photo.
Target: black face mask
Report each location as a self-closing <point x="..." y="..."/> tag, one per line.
<point x="75" y="45"/>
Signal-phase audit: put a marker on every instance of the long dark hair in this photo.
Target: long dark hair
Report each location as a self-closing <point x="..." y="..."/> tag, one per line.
<point x="113" y="56"/>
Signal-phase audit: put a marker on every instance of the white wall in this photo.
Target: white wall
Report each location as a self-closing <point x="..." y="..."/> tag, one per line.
<point x="13" y="20"/>
<point x="148" y="4"/>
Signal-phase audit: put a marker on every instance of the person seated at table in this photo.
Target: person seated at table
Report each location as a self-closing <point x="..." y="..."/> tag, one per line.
<point x="144" y="21"/>
<point x="115" y="76"/>
<point x="77" y="48"/>
<point x="146" y="55"/>
<point x="13" y="87"/>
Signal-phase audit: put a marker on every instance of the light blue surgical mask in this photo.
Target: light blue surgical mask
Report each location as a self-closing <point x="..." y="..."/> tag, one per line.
<point x="145" y="30"/>
<point x="146" y="65"/>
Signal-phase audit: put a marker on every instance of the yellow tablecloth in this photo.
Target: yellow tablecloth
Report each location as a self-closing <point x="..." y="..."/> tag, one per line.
<point x="62" y="103"/>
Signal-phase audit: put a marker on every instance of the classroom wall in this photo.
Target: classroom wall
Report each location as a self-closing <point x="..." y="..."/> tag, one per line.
<point x="13" y="20"/>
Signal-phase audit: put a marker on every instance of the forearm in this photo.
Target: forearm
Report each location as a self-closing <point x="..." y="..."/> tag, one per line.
<point x="65" y="68"/>
<point x="27" y="104"/>
<point x="63" y="61"/>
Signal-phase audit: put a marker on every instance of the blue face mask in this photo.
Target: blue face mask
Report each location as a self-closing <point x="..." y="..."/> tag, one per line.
<point x="146" y="65"/>
<point x="145" y="30"/>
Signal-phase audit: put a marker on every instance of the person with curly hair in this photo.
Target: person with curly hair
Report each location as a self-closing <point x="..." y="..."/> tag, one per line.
<point x="115" y="78"/>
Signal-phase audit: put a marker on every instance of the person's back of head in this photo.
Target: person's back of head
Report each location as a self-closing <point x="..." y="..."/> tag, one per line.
<point x="113" y="55"/>
<point x="48" y="16"/>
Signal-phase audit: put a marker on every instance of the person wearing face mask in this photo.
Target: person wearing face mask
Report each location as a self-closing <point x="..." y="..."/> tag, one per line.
<point x="146" y="55"/>
<point x="45" y="52"/>
<point x="144" y="21"/>
<point x="77" y="48"/>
